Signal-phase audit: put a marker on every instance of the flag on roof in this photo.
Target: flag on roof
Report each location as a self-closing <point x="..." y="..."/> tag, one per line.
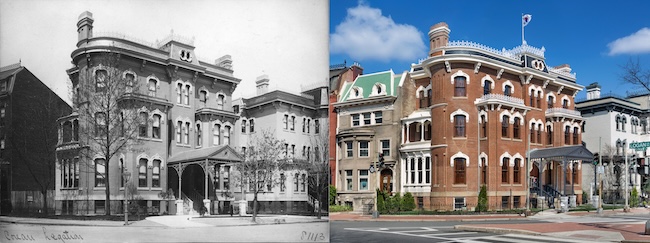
<point x="526" y="19"/>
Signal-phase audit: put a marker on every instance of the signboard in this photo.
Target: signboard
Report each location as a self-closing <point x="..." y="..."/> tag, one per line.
<point x="639" y="146"/>
<point x="600" y="169"/>
<point x="372" y="169"/>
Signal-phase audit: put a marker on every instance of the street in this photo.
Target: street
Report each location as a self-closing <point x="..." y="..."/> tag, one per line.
<point x="302" y="232"/>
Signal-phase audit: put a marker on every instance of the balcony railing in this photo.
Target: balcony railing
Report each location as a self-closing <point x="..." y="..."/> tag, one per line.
<point x="512" y="53"/>
<point x="562" y="111"/>
<point x="500" y="97"/>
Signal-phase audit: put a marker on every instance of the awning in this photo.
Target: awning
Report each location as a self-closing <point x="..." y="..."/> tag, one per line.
<point x="219" y="153"/>
<point x="572" y="152"/>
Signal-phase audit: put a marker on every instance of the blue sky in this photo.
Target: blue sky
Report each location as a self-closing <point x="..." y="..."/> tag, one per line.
<point x="594" y="37"/>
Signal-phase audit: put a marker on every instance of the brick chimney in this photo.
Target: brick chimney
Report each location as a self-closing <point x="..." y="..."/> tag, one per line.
<point x="262" y="84"/>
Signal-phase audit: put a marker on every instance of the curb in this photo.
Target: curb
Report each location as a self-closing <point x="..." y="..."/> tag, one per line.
<point x="495" y="230"/>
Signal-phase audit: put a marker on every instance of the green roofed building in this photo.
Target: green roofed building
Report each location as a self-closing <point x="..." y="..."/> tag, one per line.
<point x="368" y="113"/>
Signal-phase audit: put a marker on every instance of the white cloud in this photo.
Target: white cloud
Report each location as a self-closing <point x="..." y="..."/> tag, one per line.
<point x="636" y="43"/>
<point x="367" y="34"/>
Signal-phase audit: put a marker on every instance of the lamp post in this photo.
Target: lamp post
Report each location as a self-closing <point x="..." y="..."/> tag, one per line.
<point x="127" y="176"/>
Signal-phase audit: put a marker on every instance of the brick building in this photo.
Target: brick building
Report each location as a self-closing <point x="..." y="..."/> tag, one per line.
<point x="28" y="137"/>
<point x="185" y="123"/>
<point x="487" y="108"/>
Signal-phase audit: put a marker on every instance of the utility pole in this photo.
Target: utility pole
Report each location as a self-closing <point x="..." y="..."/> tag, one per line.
<point x="627" y="181"/>
<point x="600" y="179"/>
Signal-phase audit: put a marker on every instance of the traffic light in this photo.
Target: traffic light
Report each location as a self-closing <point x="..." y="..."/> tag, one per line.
<point x="596" y="159"/>
<point x="381" y="159"/>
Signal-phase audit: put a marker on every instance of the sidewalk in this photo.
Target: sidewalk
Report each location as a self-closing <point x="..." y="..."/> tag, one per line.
<point x="349" y="216"/>
<point x="175" y="221"/>
<point x="595" y="231"/>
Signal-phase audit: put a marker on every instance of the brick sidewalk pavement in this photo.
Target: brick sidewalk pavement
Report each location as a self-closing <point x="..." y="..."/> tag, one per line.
<point x="481" y="217"/>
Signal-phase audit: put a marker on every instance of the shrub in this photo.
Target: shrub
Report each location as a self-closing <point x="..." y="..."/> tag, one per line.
<point x="339" y="208"/>
<point x="482" y="205"/>
<point x="381" y="206"/>
<point x="393" y="203"/>
<point x="408" y="202"/>
<point x="585" y="197"/>
<point x="634" y="198"/>
<point x="332" y="196"/>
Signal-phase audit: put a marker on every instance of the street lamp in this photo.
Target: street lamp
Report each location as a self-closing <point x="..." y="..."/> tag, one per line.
<point x="127" y="176"/>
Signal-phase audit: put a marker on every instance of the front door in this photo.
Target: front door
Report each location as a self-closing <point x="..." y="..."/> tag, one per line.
<point x="386" y="179"/>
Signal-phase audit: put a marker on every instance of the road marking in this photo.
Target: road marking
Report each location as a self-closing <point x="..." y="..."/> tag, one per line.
<point x="454" y="233"/>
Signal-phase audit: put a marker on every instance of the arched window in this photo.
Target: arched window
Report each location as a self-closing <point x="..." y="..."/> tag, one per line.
<point x="67" y="131"/>
<point x="226" y="135"/>
<point x="155" y="175"/>
<point x="459" y="171"/>
<point x="179" y="126"/>
<point x="532" y="133"/>
<point x="487" y="87"/>
<point x="100" y="171"/>
<point x="539" y="133"/>
<point x="505" y="126"/>
<point x="129" y="80"/>
<point x="100" y="124"/>
<point x="179" y="91"/>
<point x="186" y="95"/>
<point x="483" y="126"/>
<point x="75" y="130"/>
<point x="507" y="90"/>
<point x="427" y="130"/>
<point x="186" y="137"/>
<point x="152" y="87"/>
<point x="304" y="123"/>
<point x="243" y="126"/>
<point x="549" y="135"/>
<point x="539" y="99"/>
<point x="516" y="178"/>
<point x="551" y="102"/>
<point x="215" y="135"/>
<point x="459" y="86"/>
<point x="567" y="135"/>
<point x="484" y="168"/>
<point x="429" y="97"/>
<point x="220" y="101"/>
<point x="142" y="172"/>
<point x="293" y="123"/>
<point x="422" y="99"/>
<point x="505" y="171"/>
<point x="459" y="126"/>
<point x="198" y="135"/>
<point x="252" y="125"/>
<point x="575" y="135"/>
<point x="101" y="77"/>
<point x="203" y="96"/>
<point x="515" y="128"/>
<point x="155" y="126"/>
<point x="295" y="182"/>
<point x="142" y="124"/>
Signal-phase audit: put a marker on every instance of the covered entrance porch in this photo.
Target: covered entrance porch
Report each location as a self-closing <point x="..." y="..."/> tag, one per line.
<point x="202" y="178"/>
<point x="555" y="175"/>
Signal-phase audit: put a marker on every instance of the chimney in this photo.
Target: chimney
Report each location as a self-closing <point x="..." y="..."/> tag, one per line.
<point x="85" y="26"/>
<point x="224" y="62"/>
<point x="356" y="70"/>
<point x="262" y="84"/>
<point x="593" y="91"/>
<point x="438" y="37"/>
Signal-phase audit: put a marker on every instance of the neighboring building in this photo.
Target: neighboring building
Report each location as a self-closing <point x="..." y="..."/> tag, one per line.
<point x="28" y="136"/>
<point x="486" y="108"/>
<point x="614" y="122"/>
<point x="185" y="131"/>
<point x="368" y="127"/>
<point x="299" y="120"/>
<point x="339" y="75"/>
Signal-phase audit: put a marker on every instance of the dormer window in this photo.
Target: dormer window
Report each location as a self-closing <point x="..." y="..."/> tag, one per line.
<point x="378" y="89"/>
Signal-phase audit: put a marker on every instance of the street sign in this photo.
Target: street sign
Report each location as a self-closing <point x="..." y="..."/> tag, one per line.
<point x="600" y="169"/>
<point x="639" y="145"/>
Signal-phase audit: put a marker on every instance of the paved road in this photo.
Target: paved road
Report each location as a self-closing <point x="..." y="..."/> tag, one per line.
<point x="304" y="232"/>
<point x="345" y="231"/>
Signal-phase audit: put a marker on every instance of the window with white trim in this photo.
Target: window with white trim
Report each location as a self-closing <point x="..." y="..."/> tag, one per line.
<point x="355" y="120"/>
<point x="378" y="117"/>
<point x="152" y="87"/>
<point x="348" y="180"/>
<point x="385" y="147"/>
<point x="348" y="149"/>
<point x="155" y="175"/>
<point x="155" y="126"/>
<point x="363" y="149"/>
<point x="220" y="101"/>
<point x="100" y="172"/>
<point x="142" y="172"/>
<point x="363" y="180"/>
<point x="216" y="136"/>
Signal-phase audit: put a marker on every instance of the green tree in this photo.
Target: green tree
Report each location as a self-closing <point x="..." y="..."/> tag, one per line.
<point x="408" y="202"/>
<point x="332" y="196"/>
<point x="482" y="200"/>
<point x="634" y="198"/>
<point x="381" y="207"/>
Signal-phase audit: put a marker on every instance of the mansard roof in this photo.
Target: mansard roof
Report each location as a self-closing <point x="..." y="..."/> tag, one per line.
<point x="365" y="84"/>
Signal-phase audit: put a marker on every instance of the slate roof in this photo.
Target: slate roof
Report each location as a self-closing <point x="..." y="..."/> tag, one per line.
<point x="221" y="153"/>
<point x="367" y="81"/>
<point x="572" y="152"/>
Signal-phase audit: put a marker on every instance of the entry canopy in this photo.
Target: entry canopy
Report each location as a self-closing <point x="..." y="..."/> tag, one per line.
<point x="572" y="152"/>
<point x="218" y="153"/>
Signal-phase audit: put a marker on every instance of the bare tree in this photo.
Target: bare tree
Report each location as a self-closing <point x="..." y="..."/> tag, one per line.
<point x="262" y="161"/>
<point x="34" y="135"/>
<point x="634" y="74"/>
<point x="106" y="100"/>
<point x="318" y="168"/>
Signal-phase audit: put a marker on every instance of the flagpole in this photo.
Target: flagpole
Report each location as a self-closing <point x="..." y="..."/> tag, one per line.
<point x="523" y="42"/>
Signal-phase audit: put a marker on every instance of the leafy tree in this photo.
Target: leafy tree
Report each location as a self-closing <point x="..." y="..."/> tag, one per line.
<point x="634" y="198"/>
<point x="482" y="205"/>
<point x="332" y="195"/>
<point x="381" y="201"/>
<point x="262" y="161"/>
<point x="408" y="202"/>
